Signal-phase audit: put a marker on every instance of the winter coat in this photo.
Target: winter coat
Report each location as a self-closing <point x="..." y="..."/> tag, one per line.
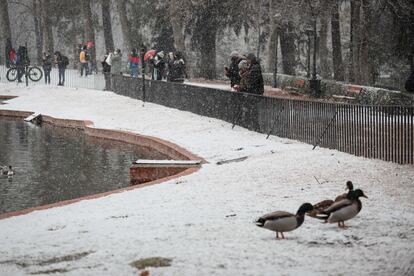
<point x="158" y="68"/>
<point x="409" y="84"/>
<point x="12" y="56"/>
<point x="176" y="70"/>
<point x="116" y="63"/>
<point x="47" y="63"/>
<point x="21" y="57"/>
<point x="243" y="80"/>
<point x="255" y="83"/>
<point x="106" y="68"/>
<point x="61" y="61"/>
<point x="82" y="56"/>
<point x="233" y="72"/>
<point x="133" y="61"/>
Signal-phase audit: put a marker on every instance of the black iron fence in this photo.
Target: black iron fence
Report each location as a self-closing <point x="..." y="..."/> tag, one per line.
<point x="383" y="132"/>
<point x="72" y="78"/>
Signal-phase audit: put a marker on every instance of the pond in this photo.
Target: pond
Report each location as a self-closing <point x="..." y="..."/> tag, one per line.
<point x="52" y="164"/>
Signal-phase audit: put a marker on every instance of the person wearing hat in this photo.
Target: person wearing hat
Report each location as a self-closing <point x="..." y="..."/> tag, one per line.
<point x="116" y="62"/>
<point x="158" y="66"/>
<point x="232" y="72"/>
<point x="243" y="73"/>
<point x="255" y="84"/>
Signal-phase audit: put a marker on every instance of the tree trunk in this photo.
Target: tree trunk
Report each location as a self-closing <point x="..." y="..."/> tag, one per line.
<point x="47" y="29"/>
<point x="125" y="25"/>
<point x="38" y="30"/>
<point x="88" y="27"/>
<point x="338" y="67"/>
<point x="208" y="53"/>
<point x="272" y="43"/>
<point x="366" y="63"/>
<point x="355" y="41"/>
<point x="177" y="18"/>
<point x="107" y="25"/>
<point x="287" y="46"/>
<point x="323" y="45"/>
<point x="5" y="30"/>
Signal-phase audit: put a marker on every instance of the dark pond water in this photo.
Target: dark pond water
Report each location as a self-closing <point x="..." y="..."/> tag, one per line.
<point x="53" y="164"/>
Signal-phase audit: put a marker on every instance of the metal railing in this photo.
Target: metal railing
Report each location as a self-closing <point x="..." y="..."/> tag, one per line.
<point x="72" y="79"/>
<point x="382" y="132"/>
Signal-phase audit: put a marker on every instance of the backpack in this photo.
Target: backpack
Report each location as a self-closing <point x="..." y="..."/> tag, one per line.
<point x="65" y="60"/>
<point x="87" y="56"/>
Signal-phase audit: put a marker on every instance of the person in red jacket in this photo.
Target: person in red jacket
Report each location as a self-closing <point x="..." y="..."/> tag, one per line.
<point x="12" y="56"/>
<point x="133" y="63"/>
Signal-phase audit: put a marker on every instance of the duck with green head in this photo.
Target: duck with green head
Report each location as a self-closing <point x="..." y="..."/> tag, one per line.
<point x="343" y="210"/>
<point x="281" y="221"/>
<point x="320" y="206"/>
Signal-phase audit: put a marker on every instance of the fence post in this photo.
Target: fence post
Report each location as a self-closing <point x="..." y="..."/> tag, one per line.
<point x="25" y="66"/>
<point x="274" y="123"/>
<point x="143" y="73"/>
<point x="326" y="129"/>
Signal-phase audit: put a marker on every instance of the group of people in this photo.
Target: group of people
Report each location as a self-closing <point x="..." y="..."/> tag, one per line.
<point x="59" y="60"/>
<point x="87" y="64"/>
<point x="245" y="74"/>
<point x="20" y="60"/>
<point x="170" y="67"/>
<point x="112" y="64"/>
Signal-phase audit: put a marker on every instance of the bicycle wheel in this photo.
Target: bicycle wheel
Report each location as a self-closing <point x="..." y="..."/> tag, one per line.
<point x="35" y="73"/>
<point x="11" y="74"/>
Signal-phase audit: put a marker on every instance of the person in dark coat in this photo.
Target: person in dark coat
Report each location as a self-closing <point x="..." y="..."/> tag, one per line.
<point x="7" y="52"/>
<point x="409" y="84"/>
<point x="176" y="68"/>
<point x="232" y="72"/>
<point x="61" y="61"/>
<point x="106" y="69"/>
<point x="21" y="61"/>
<point x="47" y="66"/>
<point x="243" y="72"/>
<point x="158" y="66"/>
<point x="255" y="84"/>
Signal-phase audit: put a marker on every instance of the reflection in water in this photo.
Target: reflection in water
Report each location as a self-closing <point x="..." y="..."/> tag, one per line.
<point x="53" y="164"/>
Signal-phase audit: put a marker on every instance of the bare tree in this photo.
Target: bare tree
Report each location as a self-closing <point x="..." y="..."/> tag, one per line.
<point x="273" y="36"/>
<point x="125" y="24"/>
<point x="5" y="30"/>
<point x="179" y="18"/>
<point x="288" y="48"/>
<point x="354" y="71"/>
<point x="88" y="27"/>
<point x="338" y="67"/>
<point x="38" y="29"/>
<point x="47" y="29"/>
<point x="107" y="25"/>
<point x="323" y="42"/>
<point x="366" y="66"/>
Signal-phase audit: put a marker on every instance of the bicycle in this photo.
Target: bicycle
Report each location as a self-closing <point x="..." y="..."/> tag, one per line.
<point x="33" y="72"/>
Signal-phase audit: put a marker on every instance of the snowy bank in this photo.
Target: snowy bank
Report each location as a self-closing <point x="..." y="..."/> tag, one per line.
<point x="204" y="221"/>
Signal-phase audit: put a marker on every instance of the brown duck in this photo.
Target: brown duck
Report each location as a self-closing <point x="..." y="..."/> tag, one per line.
<point x="320" y="206"/>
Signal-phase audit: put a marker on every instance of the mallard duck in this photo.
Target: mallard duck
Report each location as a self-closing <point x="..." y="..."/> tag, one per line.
<point x="344" y="209"/>
<point x="320" y="206"/>
<point x="10" y="172"/>
<point x="281" y="221"/>
<point x="349" y="187"/>
<point x="3" y="170"/>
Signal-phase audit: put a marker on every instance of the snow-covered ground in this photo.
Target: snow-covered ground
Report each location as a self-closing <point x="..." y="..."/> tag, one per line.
<point x="204" y="221"/>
